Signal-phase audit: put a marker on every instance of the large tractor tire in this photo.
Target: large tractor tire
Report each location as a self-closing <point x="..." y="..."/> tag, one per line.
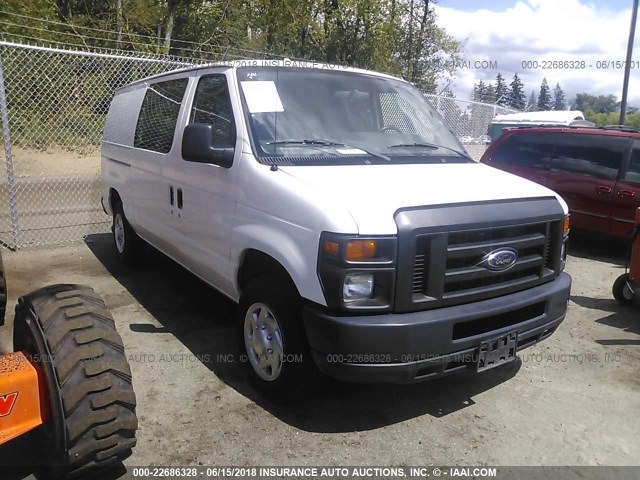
<point x="72" y="339"/>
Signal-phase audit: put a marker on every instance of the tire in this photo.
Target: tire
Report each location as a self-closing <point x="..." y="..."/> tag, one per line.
<point x="621" y="291"/>
<point x="3" y="292"/>
<point x="72" y="339"/>
<point x="125" y="239"/>
<point x="275" y="307"/>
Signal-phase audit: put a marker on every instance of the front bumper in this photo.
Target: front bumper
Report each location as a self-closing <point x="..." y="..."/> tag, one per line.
<point x="411" y="347"/>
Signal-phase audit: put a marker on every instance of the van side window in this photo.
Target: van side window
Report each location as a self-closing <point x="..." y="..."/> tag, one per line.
<point x="531" y="150"/>
<point x="159" y="114"/>
<point x="212" y="105"/>
<point x="633" y="172"/>
<point x="593" y="155"/>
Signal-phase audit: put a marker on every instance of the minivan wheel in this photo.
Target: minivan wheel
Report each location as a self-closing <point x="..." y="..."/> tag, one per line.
<point x="621" y="291"/>
<point x="125" y="239"/>
<point x="272" y="341"/>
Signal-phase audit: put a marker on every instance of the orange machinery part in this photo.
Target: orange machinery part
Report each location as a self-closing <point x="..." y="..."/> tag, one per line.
<point x="634" y="266"/>
<point x="20" y="397"/>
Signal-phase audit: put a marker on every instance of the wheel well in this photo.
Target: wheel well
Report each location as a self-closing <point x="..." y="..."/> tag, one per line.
<point x="114" y="198"/>
<point x="256" y="264"/>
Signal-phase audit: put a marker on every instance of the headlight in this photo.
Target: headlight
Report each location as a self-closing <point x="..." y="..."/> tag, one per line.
<point x="357" y="273"/>
<point x="357" y="286"/>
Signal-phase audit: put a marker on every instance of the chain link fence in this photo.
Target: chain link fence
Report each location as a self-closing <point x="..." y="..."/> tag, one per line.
<point x="468" y="120"/>
<point x="53" y="103"/>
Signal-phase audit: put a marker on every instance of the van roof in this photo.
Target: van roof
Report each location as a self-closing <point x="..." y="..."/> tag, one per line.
<point x="551" y="116"/>
<point x="263" y="63"/>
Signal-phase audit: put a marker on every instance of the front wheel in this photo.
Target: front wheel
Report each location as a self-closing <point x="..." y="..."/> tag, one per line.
<point x="272" y="341"/>
<point x="126" y="241"/>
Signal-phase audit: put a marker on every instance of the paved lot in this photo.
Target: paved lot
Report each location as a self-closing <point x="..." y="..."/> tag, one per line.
<point x="572" y="399"/>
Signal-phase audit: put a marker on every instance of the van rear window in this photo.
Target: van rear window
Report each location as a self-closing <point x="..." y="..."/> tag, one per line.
<point x="159" y="115"/>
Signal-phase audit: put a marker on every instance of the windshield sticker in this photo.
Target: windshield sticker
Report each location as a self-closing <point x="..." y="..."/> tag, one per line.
<point x="350" y="151"/>
<point x="262" y="96"/>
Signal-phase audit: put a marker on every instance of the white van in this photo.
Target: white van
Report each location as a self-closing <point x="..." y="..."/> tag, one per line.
<point x="341" y="214"/>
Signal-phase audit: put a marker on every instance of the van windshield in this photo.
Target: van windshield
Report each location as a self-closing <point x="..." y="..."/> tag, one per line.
<point x="311" y="116"/>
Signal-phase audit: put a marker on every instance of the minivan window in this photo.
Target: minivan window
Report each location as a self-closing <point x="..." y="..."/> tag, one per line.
<point x="633" y="172"/>
<point x="306" y="115"/>
<point x="594" y="155"/>
<point x="212" y="105"/>
<point x="158" y="115"/>
<point x="531" y="149"/>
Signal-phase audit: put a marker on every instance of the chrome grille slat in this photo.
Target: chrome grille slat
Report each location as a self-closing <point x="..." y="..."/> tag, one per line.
<point x="526" y="241"/>
<point x="470" y="273"/>
<point x="497" y="287"/>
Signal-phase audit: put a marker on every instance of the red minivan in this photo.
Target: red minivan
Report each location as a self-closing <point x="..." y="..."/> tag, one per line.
<point x="596" y="170"/>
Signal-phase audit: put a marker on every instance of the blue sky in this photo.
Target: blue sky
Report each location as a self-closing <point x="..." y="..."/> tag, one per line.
<point x="511" y="32"/>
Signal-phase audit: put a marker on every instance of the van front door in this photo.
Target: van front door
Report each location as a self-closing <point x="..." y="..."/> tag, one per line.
<point x="204" y="194"/>
<point x="627" y="195"/>
<point x="584" y="170"/>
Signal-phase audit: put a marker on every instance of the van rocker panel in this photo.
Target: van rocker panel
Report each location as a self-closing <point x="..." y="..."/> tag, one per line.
<point x="338" y="341"/>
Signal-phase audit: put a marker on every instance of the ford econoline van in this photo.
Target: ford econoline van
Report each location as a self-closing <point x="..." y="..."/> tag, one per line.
<point x="347" y="221"/>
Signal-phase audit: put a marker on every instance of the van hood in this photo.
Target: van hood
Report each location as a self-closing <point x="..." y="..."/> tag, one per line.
<point x="372" y="194"/>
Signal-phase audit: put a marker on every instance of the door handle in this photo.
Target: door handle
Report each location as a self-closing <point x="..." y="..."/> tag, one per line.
<point x="171" y="195"/>
<point x="179" y="198"/>
<point x="626" y="193"/>
<point x="602" y="190"/>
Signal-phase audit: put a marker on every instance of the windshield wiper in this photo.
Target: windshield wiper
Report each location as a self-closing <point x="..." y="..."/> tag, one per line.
<point x="327" y="143"/>
<point x="306" y="142"/>
<point x="430" y="146"/>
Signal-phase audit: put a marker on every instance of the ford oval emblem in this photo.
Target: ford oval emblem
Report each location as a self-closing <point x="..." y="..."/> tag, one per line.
<point x="500" y="259"/>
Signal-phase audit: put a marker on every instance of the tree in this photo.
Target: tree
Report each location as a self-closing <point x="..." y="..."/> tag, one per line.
<point x="516" y="93"/>
<point x="479" y="91"/>
<point x="401" y="37"/>
<point x="544" y="98"/>
<point x="502" y="91"/>
<point x="598" y="104"/>
<point x="559" y="102"/>
<point x="428" y="51"/>
<point x="532" y="104"/>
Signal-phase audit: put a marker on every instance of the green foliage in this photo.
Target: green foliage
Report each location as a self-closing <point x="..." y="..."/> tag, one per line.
<point x="559" y="102"/>
<point x="396" y="36"/>
<point x="597" y="104"/>
<point x="516" y="93"/>
<point x="544" y="97"/>
<point x="502" y="91"/>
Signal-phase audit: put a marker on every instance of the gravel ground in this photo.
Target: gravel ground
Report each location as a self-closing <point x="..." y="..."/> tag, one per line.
<point x="573" y="399"/>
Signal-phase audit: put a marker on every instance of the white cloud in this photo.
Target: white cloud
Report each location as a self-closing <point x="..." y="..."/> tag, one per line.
<point x="545" y="30"/>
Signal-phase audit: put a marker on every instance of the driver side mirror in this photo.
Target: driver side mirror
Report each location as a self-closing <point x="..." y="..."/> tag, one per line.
<point x="198" y="146"/>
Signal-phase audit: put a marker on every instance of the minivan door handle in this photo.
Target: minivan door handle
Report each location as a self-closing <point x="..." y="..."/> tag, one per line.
<point x="179" y="198"/>
<point x="626" y="193"/>
<point x="602" y="190"/>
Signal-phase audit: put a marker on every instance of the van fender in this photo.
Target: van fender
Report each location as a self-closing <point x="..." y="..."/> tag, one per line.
<point x="294" y="248"/>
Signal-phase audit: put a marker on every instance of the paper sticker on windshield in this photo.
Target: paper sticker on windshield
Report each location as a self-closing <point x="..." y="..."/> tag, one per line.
<point x="350" y="151"/>
<point x="262" y="96"/>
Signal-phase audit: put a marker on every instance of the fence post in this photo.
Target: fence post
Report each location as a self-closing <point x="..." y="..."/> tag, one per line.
<point x="11" y="181"/>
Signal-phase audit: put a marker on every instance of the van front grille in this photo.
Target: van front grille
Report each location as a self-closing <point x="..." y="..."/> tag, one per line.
<point x="466" y="276"/>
